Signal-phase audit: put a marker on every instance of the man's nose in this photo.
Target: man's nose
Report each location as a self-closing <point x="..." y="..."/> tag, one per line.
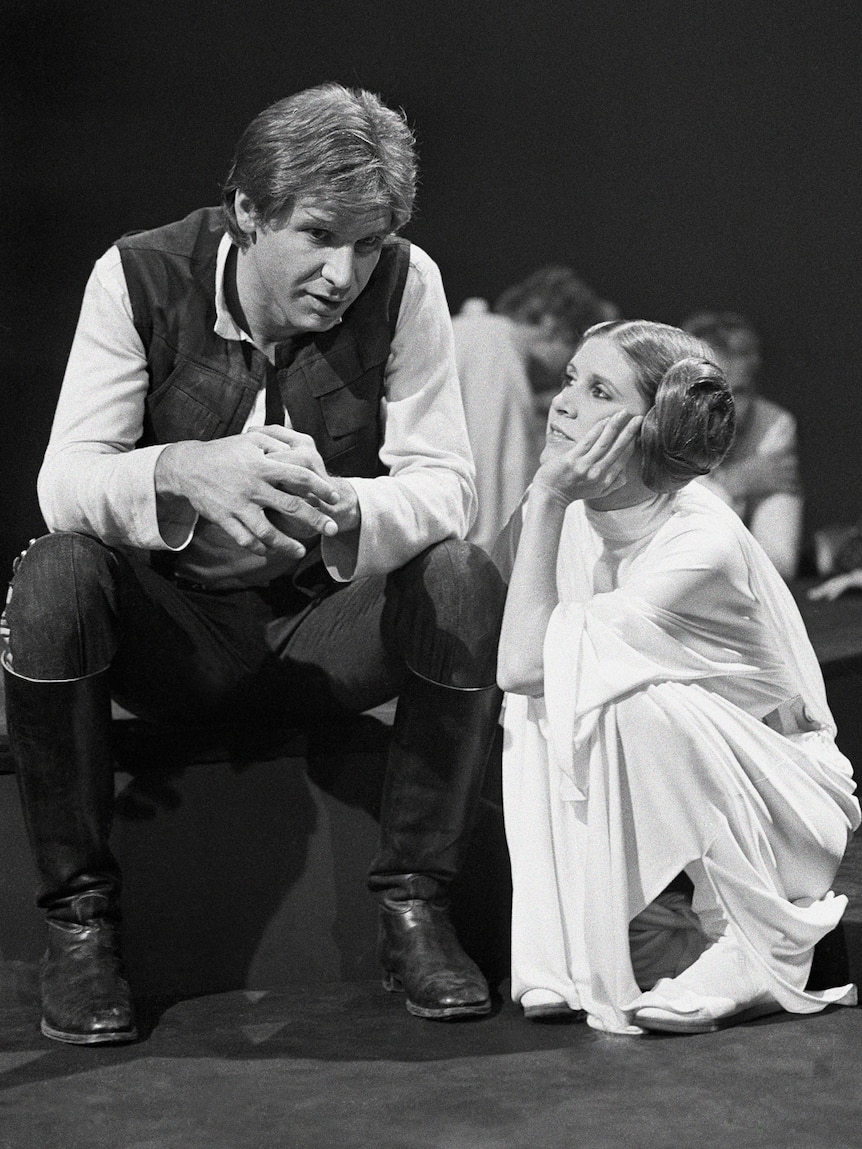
<point x="338" y="269"/>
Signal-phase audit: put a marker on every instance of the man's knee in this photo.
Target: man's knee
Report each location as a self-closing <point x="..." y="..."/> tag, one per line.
<point x="447" y="610"/>
<point x="58" y="617"/>
<point x="460" y="576"/>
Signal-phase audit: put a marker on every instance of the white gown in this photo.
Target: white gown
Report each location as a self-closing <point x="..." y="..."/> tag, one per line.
<point x="684" y="727"/>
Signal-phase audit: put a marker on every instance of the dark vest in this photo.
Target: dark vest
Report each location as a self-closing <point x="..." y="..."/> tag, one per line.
<point x="203" y="386"/>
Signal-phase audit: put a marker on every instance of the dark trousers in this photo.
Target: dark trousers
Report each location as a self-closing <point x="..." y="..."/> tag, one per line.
<point x="428" y="632"/>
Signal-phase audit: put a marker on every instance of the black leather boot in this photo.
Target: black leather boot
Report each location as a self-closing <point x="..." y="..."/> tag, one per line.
<point x="440" y="745"/>
<point x="59" y="734"/>
<point x="421" y="955"/>
<point x="86" y="999"/>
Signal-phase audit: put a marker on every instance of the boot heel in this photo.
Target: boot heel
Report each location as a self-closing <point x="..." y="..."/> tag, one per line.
<point x="392" y="983"/>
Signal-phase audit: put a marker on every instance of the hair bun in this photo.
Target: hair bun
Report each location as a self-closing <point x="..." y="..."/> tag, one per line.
<point x="690" y="427"/>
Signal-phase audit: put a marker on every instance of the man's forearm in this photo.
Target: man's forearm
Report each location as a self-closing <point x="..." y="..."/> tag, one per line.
<point x="108" y="494"/>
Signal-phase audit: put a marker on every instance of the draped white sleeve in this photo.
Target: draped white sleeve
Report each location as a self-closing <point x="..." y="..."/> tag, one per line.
<point x="699" y="603"/>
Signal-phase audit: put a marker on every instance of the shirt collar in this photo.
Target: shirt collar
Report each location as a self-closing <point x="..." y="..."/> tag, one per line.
<point x="225" y="324"/>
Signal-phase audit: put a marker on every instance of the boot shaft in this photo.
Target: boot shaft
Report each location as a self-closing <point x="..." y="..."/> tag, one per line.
<point x="441" y="741"/>
<point x="59" y="735"/>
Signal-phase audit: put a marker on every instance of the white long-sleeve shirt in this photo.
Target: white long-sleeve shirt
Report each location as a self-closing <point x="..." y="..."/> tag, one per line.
<point x="506" y="432"/>
<point x="94" y="480"/>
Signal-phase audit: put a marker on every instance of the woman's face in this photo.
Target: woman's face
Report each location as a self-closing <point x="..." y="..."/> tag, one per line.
<point x="600" y="380"/>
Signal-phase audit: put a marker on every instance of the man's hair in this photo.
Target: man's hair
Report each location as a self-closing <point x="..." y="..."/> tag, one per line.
<point x="718" y="329"/>
<point x="341" y="146"/>
<point x="554" y="293"/>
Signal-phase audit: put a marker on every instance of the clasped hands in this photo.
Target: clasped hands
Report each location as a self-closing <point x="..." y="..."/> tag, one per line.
<point x="267" y="488"/>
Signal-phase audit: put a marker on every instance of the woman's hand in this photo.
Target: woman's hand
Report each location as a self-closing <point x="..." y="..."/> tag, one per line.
<point x="594" y="467"/>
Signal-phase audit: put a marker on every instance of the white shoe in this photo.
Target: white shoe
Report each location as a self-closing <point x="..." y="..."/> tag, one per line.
<point x="545" y="1005"/>
<point x="595" y="1022"/>
<point x="721" y="988"/>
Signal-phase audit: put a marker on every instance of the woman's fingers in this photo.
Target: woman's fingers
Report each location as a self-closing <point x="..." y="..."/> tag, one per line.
<point x="597" y="464"/>
<point x="605" y="461"/>
<point x="591" y="438"/>
<point x="614" y="435"/>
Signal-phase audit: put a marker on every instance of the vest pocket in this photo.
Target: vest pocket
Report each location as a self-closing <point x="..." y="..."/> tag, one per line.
<point x="182" y="406"/>
<point x="349" y="409"/>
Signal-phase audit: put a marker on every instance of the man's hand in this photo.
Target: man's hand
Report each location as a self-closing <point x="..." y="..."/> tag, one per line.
<point x="299" y="449"/>
<point x="243" y="482"/>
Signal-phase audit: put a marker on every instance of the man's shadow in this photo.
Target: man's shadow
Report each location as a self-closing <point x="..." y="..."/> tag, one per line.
<point x="241" y="852"/>
<point x="245" y="857"/>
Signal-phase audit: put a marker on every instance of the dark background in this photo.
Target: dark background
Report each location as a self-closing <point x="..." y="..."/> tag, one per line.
<point x="678" y="155"/>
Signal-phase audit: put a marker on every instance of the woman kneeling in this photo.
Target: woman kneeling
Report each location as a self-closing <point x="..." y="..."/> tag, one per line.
<point x="665" y="714"/>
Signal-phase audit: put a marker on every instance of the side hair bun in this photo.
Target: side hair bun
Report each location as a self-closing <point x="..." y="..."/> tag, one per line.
<point x="690" y="426"/>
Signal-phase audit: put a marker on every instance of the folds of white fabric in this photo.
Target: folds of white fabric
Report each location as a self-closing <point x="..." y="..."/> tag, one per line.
<point x="676" y="777"/>
<point x="649" y="754"/>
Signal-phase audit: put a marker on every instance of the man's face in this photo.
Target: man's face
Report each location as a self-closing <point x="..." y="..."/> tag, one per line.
<point x="548" y="352"/>
<point x="740" y="363"/>
<point x="303" y="272"/>
<point x="553" y="351"/>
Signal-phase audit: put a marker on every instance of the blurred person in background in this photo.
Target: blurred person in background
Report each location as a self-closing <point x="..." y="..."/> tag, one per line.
<point x="759" y="476"/>
<point x="510" y="363"/>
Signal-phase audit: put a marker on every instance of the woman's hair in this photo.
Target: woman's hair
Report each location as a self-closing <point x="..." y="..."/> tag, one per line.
<point x="340" y="145"/>
<point x="689" y="425"/>
<point x="556" y="293"/>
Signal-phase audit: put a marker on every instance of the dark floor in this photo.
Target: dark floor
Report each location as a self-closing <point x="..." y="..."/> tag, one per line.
<point x="347" y="1067"/>
<point x="343" y="1066"/>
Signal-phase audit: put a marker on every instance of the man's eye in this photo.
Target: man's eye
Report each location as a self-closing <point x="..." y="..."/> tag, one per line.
<point x="370" y="243"/>
<point x="318" y="234"/>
